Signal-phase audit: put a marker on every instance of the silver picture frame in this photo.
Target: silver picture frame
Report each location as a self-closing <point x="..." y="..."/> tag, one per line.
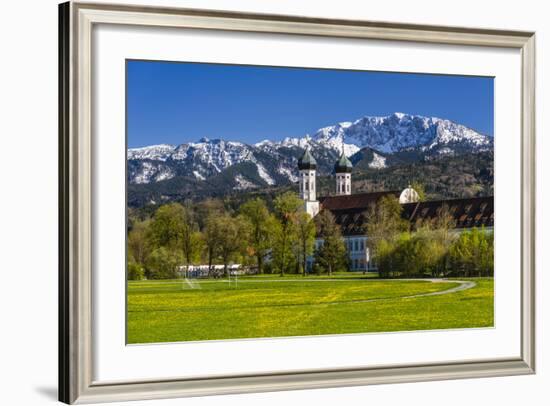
<point x="76" y="21"/>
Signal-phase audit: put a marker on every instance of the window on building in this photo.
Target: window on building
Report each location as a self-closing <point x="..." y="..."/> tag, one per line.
<point x="362" y="245"/>
<point x="307" y="185"/>
<point x="356" y="245"/>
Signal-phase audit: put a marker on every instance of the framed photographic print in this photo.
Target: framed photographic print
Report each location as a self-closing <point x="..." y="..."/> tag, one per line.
<point x="263" y="202"/>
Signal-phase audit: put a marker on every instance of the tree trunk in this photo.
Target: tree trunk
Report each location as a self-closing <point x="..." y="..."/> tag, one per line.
<point x="225" y="262"/>
<point x="260" y="264"/>
<point x="305" y="259"/>
<point x="283" y="260"/>
<point x="209" y="261"/>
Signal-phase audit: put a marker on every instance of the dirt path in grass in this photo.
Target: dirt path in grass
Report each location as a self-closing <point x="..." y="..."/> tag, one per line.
<point x="464" y="285"/>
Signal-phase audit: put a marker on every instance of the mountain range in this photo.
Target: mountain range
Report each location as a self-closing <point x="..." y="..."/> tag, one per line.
<point x="370" y="143"/>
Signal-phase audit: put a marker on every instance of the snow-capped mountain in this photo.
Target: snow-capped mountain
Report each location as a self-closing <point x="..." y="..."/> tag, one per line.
<point x="401" y="131"/>
<point x="199" y="159"/>
<point x="274" y="162"/>
<point x="159" y="152"/>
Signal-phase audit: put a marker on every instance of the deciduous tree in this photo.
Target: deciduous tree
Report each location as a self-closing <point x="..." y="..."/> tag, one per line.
<point x="167" y="225"/>
<point x="139" y="241"/>
<point x="305" y="230"/>
<point x="211" y="236"/>
<point x="287" y="207"/>
<point x="163" y="264"/>
<point x="384" y="224"/>
<point x="332" y="255"/>
<point x="173" y="227"/>
<point x="231" y="242"/>
<point x="259" y="228"/>
<point x="207" y="208"/>
<point x="472" y="253"/>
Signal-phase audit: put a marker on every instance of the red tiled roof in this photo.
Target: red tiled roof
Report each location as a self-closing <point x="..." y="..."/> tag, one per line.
<point x="349" y="211"/>
<point x="467" y="213"/>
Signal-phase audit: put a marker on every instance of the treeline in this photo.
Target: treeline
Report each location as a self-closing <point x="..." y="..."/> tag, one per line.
<point x="433" y="248"/>
<point x="276" y="240"/>
<point x="279" y="238"/>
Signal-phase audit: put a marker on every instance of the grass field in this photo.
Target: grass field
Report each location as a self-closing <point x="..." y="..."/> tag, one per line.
<point x="268" y="306"/>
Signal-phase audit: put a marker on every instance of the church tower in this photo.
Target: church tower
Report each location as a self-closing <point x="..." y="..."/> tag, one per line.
<point x="307" y="167"/>
<point x="343" y="168"/>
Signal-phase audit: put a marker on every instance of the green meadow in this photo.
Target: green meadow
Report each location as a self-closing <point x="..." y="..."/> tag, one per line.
<point x="274" y="306"/>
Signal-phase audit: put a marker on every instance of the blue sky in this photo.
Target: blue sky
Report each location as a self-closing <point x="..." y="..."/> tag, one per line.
<point x="174" y="103"/>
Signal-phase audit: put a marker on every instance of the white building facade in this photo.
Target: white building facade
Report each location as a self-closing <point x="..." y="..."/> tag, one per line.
<point x="358" y="253"/>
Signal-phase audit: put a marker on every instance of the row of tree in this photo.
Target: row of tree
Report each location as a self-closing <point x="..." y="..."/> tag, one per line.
<point x="433" y="248"/>
<point x="280" y="239"/>
<point x="183" y="235"/>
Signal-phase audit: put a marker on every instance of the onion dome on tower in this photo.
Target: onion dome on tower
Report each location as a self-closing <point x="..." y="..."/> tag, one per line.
<point x="343" y="165"/>
<point x="343" y="168"/>
<point x="307" y="161"/>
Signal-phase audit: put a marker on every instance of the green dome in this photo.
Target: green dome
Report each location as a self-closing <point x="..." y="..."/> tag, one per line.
<point x="307" y="161"/>
<point x="343" y="165"/>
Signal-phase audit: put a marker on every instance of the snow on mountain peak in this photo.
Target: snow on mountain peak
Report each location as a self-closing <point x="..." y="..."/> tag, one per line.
<point x="276" y="160"/>
<point x="158" y="152"/>
<point x="400" y="131"/>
